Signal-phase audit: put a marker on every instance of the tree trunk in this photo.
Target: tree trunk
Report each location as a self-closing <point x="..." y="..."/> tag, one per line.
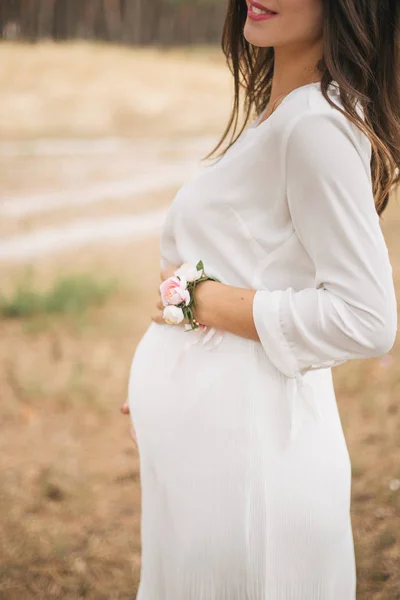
<point x="45" y="18"/>
<point x="133" y="16"/>
<point x="129" y="21"/>
<point x="112" y="19"/>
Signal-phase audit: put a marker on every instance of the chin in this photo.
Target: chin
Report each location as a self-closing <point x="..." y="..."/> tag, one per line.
<point x="255" y="37"/>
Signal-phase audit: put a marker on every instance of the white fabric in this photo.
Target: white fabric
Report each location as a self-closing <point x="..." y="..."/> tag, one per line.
<point x="245" y="471"/>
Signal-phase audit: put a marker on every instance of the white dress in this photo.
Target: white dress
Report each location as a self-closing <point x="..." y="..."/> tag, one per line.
<point x="245" y="472"/>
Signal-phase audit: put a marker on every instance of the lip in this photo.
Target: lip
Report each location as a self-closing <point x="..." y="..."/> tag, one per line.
<point x="257" y="17"/>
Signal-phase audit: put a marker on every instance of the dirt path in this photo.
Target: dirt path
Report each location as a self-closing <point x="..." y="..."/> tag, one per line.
<point x="70" y="212"/>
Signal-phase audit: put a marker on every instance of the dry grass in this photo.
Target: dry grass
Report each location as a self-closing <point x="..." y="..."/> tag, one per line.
<point x="84" y="90"/>
<point x="69" y="482"/>
<point x="69" y="473"/>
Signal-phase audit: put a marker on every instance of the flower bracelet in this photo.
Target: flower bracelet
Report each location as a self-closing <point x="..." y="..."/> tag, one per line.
<point x="177" y="294"/>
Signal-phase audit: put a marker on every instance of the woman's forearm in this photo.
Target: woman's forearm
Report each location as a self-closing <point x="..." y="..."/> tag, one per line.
<point x="226" y="307"/>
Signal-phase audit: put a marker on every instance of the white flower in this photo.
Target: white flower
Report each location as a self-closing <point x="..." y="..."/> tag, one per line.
<point x="188" y="272"/>
<point x="173" y="315"/>
<point x="394" y="484"/>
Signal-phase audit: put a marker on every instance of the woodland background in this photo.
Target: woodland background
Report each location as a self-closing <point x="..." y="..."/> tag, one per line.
<point x="122" y="21"/>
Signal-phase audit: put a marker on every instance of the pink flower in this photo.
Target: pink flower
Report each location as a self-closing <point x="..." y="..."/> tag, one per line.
<point x="174" y="291"/>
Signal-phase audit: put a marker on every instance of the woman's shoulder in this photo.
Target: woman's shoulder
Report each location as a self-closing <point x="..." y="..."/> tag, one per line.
<point x="309" y="119"/>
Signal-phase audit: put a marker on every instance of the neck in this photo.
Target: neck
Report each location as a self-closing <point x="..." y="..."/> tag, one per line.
<point x="294" y="67"/>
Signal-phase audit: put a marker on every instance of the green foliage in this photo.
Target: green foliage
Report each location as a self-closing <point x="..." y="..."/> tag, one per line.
<point x="68" y="295"/>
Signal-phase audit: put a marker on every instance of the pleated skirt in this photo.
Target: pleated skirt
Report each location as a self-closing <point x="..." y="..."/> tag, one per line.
<point x="231" y="508"/>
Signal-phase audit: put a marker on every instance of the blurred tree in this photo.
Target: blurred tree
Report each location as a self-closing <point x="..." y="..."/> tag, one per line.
<point x="112" y="19"/>
<point x="45" y="17"/>
<point x="126" y="21"/>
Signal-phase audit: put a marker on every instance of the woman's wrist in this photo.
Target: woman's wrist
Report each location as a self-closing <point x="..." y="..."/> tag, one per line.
<point x="206" y="299"/>
<point x="179" y="298"/>
<point x="213" y="304"/>
<point x="227" y="308"/>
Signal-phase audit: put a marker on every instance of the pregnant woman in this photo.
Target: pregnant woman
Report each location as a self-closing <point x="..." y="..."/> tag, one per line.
<point x="245" y="472"/>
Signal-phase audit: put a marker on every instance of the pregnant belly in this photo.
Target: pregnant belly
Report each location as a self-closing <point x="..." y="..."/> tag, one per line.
<point x="173" y="389"/>
<point x="223" y="416"/>
<point x="154" y="358"/>
<point x="170" y="384"/>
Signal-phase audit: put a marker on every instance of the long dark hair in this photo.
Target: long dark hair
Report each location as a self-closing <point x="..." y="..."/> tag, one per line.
<point x="361" y="53"/>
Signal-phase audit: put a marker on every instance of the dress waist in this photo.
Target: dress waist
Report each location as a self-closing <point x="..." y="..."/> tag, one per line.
<point x="301" y="390"/>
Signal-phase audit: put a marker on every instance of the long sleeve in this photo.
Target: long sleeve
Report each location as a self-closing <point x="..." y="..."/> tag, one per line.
<point x="352" y="311"/>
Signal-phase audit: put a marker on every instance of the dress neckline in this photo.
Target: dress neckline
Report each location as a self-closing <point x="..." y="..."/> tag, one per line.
<point x="256" y="123"/>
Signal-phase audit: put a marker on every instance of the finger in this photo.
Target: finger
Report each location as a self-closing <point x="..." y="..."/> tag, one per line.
<point x="125" y="408"/>
<point x="158" y="318"/>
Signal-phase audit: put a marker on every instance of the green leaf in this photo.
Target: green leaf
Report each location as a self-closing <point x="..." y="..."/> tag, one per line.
<point x="200" y="265"/>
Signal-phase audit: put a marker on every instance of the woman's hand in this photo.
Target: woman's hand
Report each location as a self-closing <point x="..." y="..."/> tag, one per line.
<point x="158" y="316"/>
<point x="125" y="411"/>
<point x="205" y="297"/>
<point x="201" y="295"/>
